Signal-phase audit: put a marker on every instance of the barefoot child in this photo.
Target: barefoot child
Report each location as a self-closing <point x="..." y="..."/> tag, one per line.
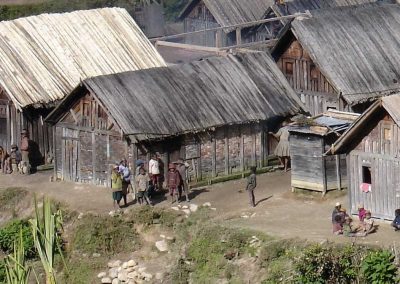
<point x="251" y="185"/>
<point x="142" y="183"/>
<point x="174" y="180"/>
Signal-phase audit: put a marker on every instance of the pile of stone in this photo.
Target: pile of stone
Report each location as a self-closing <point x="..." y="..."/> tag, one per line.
<point x="187" y="209"/>
<point x="125" y="272"/>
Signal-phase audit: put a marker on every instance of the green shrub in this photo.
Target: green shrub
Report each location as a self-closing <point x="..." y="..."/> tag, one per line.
<point x="379" y="268"/>
<point x="2" y="272"/>
<point x="147" y="215"/>
<point x="103" y="234"/>
<point x="10" y="233"/>
<point x="180" y="272"/>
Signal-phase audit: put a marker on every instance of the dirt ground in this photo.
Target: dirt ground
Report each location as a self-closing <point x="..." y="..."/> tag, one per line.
<point x="278" y="212"/>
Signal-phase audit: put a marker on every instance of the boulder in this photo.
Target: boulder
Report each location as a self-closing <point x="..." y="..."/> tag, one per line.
<point x="115" y="263"/>
<point x="131" y="263"/>
<point x="125" y="265"/>
<point x="113" y="272"/>
<point x="132" y="275"/>
<point x="162" y="246"/>
<point x="115" y="281"/>
<point x="186" y="211"/>
<point x="123" y="276"/>
<point x="159" y="276"/>
<point x="147" y="276"/>
<point x="101" y="275"/>
<point x="141" y="269"/>
<point x="175" y="208"/>
<point x="185" y="207"/>
<point x="207" y="204"/>
<point x="106" y="280"/>
<point x="193" y="207"/>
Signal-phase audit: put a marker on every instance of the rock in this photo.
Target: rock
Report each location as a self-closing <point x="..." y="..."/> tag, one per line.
<point x="132" y="275"/>
<point x="147" y="276"/>
<point x="106" y="280"/>
<point x="123" y="276"/>
<point x="159" y="276"/>
<point x="185" y="207"/>
<point x="162" y="245"/>
<point x="119" y="269"/>
<point x="101" y="275"/>
<point x="214" y="209"/>
<point x="115" y="263"/>
<point x="125" y="265"/>
<point x="115" y="281"/>
<point x="253" y="215"/>
<point x="186" y="211"/>
<point x="162" y="236"/>
<point x="111" y="213"/>
<point x="170" y="238"/>
<point x="207" y="204"/>
<point x="141" y="269"/>
<point x="175" y="208"/>
<point x="193" y="207"/>
<point x="96" y="255"/>
<point x="80" y="216"/>
<point x="131" y="263"/>
<point x="113" y="272"/>
<point x="130" y="269"/>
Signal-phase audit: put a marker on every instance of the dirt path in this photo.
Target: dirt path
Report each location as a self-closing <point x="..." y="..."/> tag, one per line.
<point x="278" y="213"/>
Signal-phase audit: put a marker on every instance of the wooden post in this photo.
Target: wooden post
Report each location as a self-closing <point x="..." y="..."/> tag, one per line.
<point x="349" y="177"/>
<point x="241" y="151"/>
<point x="338" y="175"/>
<point x="54" y="154"/>
<point x="226" y="152"/>
<point x="8" y="113"/>
<point x="323" y="169"/>
<point x="199" y="169"/>
<point x="238" y="36"/>
<point x="94" y="157"/>
<point x="262" y="150"/>
<point x="218" y="38"/>
<point x="214" y="155"/>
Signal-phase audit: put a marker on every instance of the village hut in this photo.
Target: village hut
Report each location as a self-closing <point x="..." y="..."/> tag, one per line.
<point x="44" y="57"/>
<point x="343" y="57"/>
<point x="214" y="113"/>
<point x="206" y="14"/>
<point x="310" y="139"/>
<point x="372" y="145"/>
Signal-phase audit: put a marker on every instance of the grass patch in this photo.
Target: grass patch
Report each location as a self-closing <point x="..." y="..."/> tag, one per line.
<point x="83" y="270"/>
<point x="10" y="197"/>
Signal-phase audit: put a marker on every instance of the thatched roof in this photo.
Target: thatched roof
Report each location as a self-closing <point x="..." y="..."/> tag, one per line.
<point x="366" y="122"/>
<point x="300" y="6"/>
<point x="356" y="48"/>
<point x="43" y="58"/>
<point x="217" y="91"/>
<point x="231" y="12"/>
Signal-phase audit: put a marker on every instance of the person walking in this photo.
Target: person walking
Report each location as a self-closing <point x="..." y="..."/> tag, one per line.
<point x="251" y="185"/>
<point x="182" y="168"/>
<point x="174" y="180"/>
<point x="116" y="186"/>
<point x="142" y="185"/>
<point x="154" y="171"/>
<point x="282" y="150"/>
<point x="126" y="179"/>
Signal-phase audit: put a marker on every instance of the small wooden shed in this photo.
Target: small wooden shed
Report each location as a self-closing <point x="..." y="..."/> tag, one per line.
<point x="372" y="145"/>
<point x="311" y="169"/>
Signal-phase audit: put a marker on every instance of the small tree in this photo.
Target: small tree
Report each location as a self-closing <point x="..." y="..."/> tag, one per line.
<point x="17" y="271"/>
<point x="45" y="234"/>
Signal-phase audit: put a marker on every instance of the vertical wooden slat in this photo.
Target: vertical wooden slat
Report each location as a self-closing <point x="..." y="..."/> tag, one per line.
<point x="323" y="169"/>
<point x="338" y="175"/>
<point x="94" y="158"/>
<point x="226" y="152"/>
<point x="214" y="155"/>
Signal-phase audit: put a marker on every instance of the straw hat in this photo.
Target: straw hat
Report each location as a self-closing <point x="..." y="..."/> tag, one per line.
<point x="338" y="204"/>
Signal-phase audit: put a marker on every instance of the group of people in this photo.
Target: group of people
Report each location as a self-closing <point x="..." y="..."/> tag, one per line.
<point x="145" y="184"/>
<point x="342" y="223"/>
<point x="17" y="160"/>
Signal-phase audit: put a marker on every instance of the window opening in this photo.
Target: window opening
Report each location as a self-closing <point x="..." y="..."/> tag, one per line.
<point x="366" y="175"/>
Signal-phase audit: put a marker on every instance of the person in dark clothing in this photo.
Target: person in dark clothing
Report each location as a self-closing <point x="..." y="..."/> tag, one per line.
<point x="174" y="180"/>
<point x="396" y="221"/>
<point x="251" y="185"/>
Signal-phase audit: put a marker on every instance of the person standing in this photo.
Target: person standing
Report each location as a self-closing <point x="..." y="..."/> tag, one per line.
<point x="282" y="150"/>
<point x="142" y="185"/>
<point x="116" y="186"/>
<point x="126" y="179"/>
<point x="14" y="160"/>
<point x="2" y="158"/>
<point x="251" y="185"/>
<point x="25" y="167"/>
<point x="174" y="180"/>
<point x="182" y="168"/>
<point x="154" y="171"/>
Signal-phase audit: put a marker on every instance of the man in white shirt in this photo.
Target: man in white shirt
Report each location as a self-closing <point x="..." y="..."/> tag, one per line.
<point x="154" y="171"/>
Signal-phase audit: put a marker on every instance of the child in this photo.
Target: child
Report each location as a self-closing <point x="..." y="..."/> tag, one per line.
<point x="251" y="185"/>
<point x="361" y="212"/>
<point x="396" y="221"/>
<point x="142" y="182"/>
<point x="368" y="223"/>
<point x="116" y="186"/>
<point x="174" y="180"/>
<point x="349" y="232"/>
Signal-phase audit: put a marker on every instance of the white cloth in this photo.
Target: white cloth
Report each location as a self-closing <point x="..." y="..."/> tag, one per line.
<point x="154" y="168"/>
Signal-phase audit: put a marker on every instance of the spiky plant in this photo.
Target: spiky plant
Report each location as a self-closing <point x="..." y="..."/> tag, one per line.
<point x="45" y="235"/>
<point x="17" y="271"/>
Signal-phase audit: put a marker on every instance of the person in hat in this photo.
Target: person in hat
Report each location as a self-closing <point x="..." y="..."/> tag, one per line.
<point x="182" y="168"/>
<point x="336" y="211"/>
<point x="24" y="147"/>
<point x="116" y="185"/>
<point x="251" y="186"/>
<point x="174" y="180"/>
<point x="142" y="185"/>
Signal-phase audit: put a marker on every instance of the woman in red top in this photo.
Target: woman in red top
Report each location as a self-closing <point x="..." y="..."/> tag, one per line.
<point x="174" y="180"/>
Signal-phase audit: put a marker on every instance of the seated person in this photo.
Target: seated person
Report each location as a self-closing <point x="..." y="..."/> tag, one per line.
<point x="361" y="212"/>
<point x="368" y="223"/>
<point x="337" y="225"/>
<point x="396" y="221"/>
<point x="348" y="230"/>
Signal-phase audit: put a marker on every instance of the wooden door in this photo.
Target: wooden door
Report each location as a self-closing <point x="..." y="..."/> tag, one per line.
<point x="70" y="155"/>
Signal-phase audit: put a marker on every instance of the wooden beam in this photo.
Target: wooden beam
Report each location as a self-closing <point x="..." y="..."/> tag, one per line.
<point x="270" y="42"/>
<point x="74" y="116"/>
<point x="238" y="36"/>
<point x="338" y="175"/>
<point x="243" y="25"/>
<point x="188" y="46"/>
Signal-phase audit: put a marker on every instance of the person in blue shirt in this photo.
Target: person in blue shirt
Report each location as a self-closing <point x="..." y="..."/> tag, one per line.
<point x="396" y="221"/>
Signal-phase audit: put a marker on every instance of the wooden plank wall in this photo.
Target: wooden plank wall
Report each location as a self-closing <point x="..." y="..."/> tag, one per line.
<point x="379" y="150"/>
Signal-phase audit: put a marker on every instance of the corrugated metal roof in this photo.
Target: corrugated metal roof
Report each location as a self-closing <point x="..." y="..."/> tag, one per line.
<point x="356" y="48"/>
<point x="42" y="58"/>
<point x="233" y="89"/>
<point x="232" y="12"/>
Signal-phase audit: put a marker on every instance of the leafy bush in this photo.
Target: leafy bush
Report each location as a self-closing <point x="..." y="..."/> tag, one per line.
<point x="2" y="272"/>
<point x="379" y="268"/>
<point x="10" y="233"/>
<point x="103" y="234"/>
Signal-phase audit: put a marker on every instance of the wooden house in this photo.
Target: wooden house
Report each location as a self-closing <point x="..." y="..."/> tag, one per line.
<point x="206" y="14"/>
<point x="214" y="113"/>
<point x="309" y="141"/>
<point x="372" y="145"/>
<point x="44" y="57"/>
<point x="272" y="30"/>
<point x="343" y="57"/>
